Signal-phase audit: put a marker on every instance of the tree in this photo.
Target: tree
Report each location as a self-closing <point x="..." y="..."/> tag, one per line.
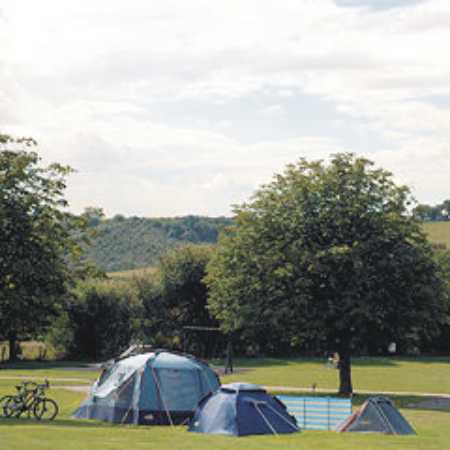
<point x="102" y="318"/>
<point x="184" y="292"/>
<point x="329" y="255"/>
<point x="93" y="216"/>
<point x="39" y="240"/>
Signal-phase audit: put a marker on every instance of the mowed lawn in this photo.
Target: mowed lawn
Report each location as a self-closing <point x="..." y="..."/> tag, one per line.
<point x="430" y="375"/>
<point x="378" y="374"/>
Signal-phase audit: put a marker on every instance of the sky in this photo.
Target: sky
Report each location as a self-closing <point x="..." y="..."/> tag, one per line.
<point x="175" y="107"/>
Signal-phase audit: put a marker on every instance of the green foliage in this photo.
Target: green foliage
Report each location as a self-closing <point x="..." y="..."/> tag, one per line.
<point x="177" y="297"/>
<point x="39" y="240"/>
<point x="152" y="306"/>
<point x="101" y="319"/>
<point x="123" y="243"/>
<point x="328" y="255"/>
<point x="182" y="273"/>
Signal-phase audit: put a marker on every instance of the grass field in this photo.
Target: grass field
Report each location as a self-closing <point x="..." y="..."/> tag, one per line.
<point x="430" y="375"/>
<point x="438" y="232"/>
<point x="127" y="274"/>
<point x="378" y="374"/>
<point x="432" y="428"/>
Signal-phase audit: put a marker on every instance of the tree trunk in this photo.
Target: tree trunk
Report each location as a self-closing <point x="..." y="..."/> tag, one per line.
<point x="345" y="374"/>
<point x="12" y="339"/>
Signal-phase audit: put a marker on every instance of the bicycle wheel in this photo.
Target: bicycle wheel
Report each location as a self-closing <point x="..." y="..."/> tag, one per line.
<point x="12" y="407"/>
<point x="46" y="409"/>
<point x="3" y="401"/>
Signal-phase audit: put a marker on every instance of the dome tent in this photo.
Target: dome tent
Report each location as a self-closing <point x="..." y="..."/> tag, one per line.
<point x="377" y="415"/>
<point x="159" y="387"/>
<point x="241" y="409"/>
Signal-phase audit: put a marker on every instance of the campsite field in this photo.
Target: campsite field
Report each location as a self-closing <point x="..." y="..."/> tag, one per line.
<point x="374" y="374"/>
<point x="398" y="374"/>
<point x="64" y="433"/>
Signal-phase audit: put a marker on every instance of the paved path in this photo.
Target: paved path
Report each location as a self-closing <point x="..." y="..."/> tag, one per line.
<point x="359" y="391"/>
<point x="68" y="387"/>
<point x="86" y="388"/>
<point x="87" y="383"/>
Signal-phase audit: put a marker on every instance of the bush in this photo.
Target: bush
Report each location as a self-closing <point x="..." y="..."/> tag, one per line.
<point x="101" y="319"/>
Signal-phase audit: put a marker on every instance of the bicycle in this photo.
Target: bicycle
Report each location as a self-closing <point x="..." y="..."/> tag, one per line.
<point x="30" y="399"/>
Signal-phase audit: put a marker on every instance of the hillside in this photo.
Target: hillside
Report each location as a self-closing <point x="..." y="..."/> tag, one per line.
<point x="121" y="244"/>
<point x="438" y="232"/>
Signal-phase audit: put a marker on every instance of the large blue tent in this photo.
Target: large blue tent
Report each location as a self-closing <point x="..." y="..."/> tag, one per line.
<point x="153" y="388"/>
<point x="242" y="409"/>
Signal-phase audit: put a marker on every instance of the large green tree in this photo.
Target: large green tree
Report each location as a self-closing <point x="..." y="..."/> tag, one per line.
<point x="174" y="297"/>
<point x="39" y="240"/>
<point x="185" y="296"/>
<point x="328" y="254"/>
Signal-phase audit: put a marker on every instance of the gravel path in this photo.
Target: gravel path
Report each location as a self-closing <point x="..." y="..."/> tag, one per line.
<point x="329" y="391"/>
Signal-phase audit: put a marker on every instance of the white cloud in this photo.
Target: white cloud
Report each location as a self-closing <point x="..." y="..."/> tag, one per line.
<point x="146" y="99"/>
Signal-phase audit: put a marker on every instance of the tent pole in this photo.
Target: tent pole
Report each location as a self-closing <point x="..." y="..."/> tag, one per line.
<point x="265" y="419"/>
<point x="296" y="428"/>
<point x="385" y="419"/>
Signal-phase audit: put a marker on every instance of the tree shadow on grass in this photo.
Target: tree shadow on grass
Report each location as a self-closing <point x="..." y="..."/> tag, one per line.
<point x="357" y="361"/>
<point x="253" y="363"/>
<point x="73" y="423"/>
<point x="45" y="365"/>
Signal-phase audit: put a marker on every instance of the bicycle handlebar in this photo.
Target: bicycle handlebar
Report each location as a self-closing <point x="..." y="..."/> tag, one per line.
<point x="32" y="386"/>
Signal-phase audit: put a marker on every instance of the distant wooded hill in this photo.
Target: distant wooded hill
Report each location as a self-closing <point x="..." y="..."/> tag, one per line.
<point x="124" y="243"/>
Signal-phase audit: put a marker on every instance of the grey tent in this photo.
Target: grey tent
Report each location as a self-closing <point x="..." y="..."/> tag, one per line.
<point x="377" y="415"/>
<point x="154" y="388"/>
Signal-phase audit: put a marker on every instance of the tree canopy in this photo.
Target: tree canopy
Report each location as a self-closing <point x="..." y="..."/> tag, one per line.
<point x="329" y="255"/>
<point x="39" y="239"/>
<point x="184" y="296"/>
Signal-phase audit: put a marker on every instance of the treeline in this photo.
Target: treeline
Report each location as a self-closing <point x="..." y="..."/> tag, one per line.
<point x="433" y="213"/>
<point x="103" y="316"/>
<point x="125" y="243"/>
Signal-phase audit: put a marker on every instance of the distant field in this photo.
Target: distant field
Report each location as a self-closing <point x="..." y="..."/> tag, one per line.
<point x="438" y="232"/>
<point x="126" y="274"/>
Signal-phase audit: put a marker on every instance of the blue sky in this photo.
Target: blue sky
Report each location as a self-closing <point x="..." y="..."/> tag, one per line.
<point x="173" y="107"/>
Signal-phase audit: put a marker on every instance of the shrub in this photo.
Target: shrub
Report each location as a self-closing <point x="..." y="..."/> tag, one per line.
<point x="101" y="319"/>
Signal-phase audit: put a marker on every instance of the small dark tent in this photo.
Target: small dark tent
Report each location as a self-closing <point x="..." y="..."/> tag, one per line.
<point x="241" y="409"/>
<point x="377" y="415"/>
<point x="158" y="387"/>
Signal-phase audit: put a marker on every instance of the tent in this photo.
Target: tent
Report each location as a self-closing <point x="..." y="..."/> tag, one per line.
<point x="159" y="387"/>
<point x="377" y="415"/>
<point x="241" y="409"/>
